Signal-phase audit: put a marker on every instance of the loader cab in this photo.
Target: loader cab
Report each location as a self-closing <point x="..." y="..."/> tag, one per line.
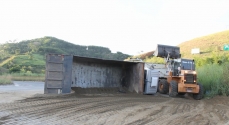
<point x="182" y="64"/>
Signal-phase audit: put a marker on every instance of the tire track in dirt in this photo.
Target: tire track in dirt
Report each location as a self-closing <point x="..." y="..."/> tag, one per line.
<point x="115" y="109"/>
<point x="34" y="112"/>
<point x="84" y="109"/>
<point x="100" y="108"/>
<point x="217" y="110"/>
<point x="175" y="112"/>
<point x="21" y="104"/>
<point x="145" y="113"/>
<point x="83" y="118"/>
<point x="56" y="108"/>
<point x="148" y="116"/>
<point x="39" y="110"/>
<point x="23" y="107"/>
<point x="103" y="115"/>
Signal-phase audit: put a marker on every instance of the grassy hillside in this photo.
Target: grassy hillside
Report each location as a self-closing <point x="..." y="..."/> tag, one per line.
<point x="211" y="49"/>
<point x="29" y="55"/>
<point x="207" y="44"/>
<point x="38" y="60"/>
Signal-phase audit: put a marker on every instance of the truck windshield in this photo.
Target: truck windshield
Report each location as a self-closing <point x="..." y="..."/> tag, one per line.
<point x="187" y="64"/>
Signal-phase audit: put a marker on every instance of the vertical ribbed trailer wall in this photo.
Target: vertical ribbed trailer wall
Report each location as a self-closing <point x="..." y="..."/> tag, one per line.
<point x="98" y="73"/>
<point x="66" y="72"/>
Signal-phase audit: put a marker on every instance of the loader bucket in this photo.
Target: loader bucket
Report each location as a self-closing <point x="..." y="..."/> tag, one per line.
<point x="164" y="50"/>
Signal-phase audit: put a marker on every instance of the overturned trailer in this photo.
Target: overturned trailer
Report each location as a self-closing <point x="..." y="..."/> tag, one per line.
<point x="67" y="72"/>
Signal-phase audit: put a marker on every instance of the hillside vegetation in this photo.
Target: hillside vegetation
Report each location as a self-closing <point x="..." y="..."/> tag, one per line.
<point x="206" y="44"/>
<point x="29" y="56"/>
<point x="211" y="50"/>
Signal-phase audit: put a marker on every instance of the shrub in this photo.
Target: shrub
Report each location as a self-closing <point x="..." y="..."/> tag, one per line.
<point x="214" y="78"/>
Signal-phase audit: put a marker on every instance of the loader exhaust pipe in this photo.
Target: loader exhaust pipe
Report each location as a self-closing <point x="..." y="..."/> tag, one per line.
<point x="165" y="51"/>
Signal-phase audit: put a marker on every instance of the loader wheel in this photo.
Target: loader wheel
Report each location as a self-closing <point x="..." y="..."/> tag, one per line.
<point x="163" y="86"/>
<point x="173" y="89"/>
<point x="199" y="95"/>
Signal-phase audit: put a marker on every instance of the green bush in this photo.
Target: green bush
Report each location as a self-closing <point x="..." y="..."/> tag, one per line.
<point x="214" y="78"/>
<point x="15" y="68"/>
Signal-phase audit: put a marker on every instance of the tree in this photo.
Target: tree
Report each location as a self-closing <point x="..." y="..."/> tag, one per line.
<point x="15" y="68"/>
<point x="17" y="51"/>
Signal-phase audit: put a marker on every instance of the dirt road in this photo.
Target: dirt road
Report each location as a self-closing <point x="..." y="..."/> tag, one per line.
<point x="115" y="109"/>
<point x="20" y="90"/>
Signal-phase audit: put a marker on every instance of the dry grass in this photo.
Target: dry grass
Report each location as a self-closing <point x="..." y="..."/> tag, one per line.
<point x="6" y="61"/>
<point x="207" y="44"/>
<point x="28" y="78"/>
<point x="5" y="79"/>
<point x="8" y="78"/>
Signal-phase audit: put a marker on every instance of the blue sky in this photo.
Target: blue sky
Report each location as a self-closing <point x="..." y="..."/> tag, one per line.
<point x="129" y="26"/>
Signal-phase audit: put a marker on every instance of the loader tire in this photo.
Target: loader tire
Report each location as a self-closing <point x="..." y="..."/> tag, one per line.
<point x="199" y="95"/>
<point x="163" y="86"/>
<point x="173" y="89"/>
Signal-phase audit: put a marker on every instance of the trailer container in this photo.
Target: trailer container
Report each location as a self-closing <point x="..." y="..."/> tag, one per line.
<point x="69" y="72"/>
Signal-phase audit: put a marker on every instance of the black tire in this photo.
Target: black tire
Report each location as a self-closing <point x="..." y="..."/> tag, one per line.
<point x="173" y="89"/>
<point x="199" y="95"/>
<point x="163" y="86"/>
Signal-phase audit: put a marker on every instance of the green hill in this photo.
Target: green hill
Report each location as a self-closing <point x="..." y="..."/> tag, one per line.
<point x="29" y="55"/>
<point x="207" y="45"/>
<point x="211" y="49"/>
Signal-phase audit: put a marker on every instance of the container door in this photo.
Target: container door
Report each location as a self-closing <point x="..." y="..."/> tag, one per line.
<point x="151" y="82"/>
<point x="58" y="74"/>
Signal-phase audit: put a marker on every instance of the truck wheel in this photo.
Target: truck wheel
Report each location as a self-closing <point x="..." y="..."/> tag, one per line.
<point x="199" y="95"/>
<point x="163" y="86"/>
<point x="173" y="89"/>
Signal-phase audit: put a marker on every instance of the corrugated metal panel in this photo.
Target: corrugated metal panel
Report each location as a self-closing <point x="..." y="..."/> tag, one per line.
<point x="99" y="73"/>
<point x="66" y="72"/>
<point x="87" y="75"/>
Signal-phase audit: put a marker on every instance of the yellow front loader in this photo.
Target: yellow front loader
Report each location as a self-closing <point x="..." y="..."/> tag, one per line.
<point x="182" y="77"/>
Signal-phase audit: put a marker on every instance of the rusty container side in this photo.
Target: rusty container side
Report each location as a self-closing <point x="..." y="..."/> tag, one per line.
<point x="135" y="79"/>
<point x="99" y="73"/>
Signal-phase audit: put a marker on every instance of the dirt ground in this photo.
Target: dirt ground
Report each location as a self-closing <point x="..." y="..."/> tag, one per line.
<point x="113" y="109"/>
<point x="11" y="96"/>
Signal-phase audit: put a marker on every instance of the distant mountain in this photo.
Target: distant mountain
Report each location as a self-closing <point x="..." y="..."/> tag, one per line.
<point x="54" y="45"/>
<point x="29" y="52"/>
